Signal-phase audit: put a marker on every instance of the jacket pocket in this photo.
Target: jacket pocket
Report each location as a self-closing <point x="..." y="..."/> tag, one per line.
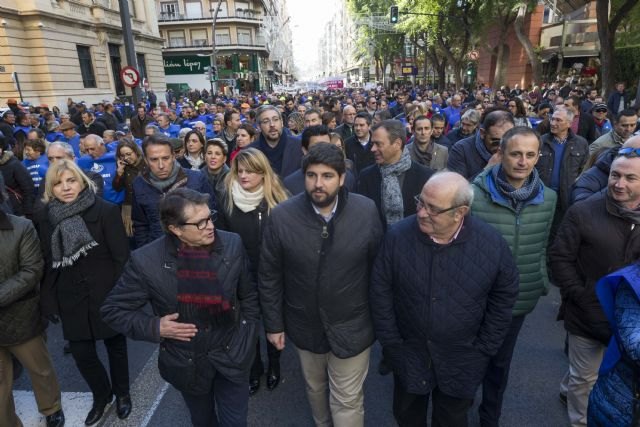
<point x="240" y="348"/>
<point x="180" y="369"/>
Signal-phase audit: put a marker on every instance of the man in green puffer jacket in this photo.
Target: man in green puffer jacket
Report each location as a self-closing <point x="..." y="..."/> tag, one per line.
<point x="511" y="197"/>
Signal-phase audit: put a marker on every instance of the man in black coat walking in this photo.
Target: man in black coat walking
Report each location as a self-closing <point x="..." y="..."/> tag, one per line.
<point x="443" y="310"/>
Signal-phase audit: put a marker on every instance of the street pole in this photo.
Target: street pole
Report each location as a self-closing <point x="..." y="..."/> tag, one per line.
<point x="129" y="48"/>
<point x="213" y="60"/>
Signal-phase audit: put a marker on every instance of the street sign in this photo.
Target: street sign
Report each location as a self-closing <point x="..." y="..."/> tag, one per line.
<point x="473" y="55"/>
<point x="409" y="71"/>
<point x="130" y="76"/>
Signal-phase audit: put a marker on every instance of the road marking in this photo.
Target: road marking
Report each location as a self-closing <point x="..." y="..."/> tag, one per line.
<point x="76" y="406"/>
<point x="155" y="405"/>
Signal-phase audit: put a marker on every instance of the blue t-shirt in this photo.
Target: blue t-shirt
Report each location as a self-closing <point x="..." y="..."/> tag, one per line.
<point x="558" y="155"/>
<point x="37" y="169"/>
<point x="106" y="166"/>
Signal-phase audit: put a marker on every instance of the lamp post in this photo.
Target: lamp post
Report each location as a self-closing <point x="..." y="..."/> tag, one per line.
<point x="213" y="63"/>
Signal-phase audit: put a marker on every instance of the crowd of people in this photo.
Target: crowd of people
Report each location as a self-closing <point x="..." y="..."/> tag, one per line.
<point x="430" y="221"/>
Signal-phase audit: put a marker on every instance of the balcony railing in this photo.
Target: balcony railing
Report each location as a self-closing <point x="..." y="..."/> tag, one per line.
<point x="570" y="35"/>
<point x="176" y="44"/>
<point x="170" y="16"/>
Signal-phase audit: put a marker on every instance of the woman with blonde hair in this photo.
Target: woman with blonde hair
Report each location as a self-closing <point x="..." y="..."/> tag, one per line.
<point x="253" y="189"/>
<point x="85" y="249"/>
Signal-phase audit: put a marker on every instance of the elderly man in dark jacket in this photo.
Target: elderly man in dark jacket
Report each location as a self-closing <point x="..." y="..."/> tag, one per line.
<point x="443" y="311"/>
<point x="315" y="288"/>
<point x="163" y="175"/>
<point x="596" y="237"/>
<point x="205" y="306"/>
<point x="21" y="331"/>
<point x="395" y="179"/>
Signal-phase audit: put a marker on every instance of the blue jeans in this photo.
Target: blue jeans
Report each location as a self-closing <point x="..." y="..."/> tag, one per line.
<point x="497" y="375"/>
<point x="226" y="404"/>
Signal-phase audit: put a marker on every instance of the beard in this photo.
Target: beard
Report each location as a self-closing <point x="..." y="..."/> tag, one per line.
<point x="324" y="199"/>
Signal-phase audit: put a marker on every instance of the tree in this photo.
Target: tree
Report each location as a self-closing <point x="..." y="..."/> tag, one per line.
<point x="518" y="26"/>
<point x="607" y="26"/>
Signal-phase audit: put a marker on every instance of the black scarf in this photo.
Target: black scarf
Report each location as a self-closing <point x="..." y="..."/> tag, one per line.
<point x="70" y="238"/>
<point x="201" y="298"/>
<point x="517" y="196"/>
<point x="630" y="215"/>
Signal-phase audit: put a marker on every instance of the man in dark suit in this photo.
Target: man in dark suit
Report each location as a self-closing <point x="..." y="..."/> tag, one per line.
<point x="582" y="124"/>
<point x="394" y="181"/>
<point x="346" y="128"/>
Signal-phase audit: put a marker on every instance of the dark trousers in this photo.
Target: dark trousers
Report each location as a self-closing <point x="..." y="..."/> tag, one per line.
<point x="273" y="354"/>
<point x="228" y="399"/>
<point x="410" y="410"/>
<point x="497" y="375"/>
<point x="93" y="372"/>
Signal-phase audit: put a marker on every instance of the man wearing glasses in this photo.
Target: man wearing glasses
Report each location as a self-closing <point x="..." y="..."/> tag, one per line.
<point x="284" y="153"/>
<point x="441" y="313"/>
<point x="205" y="309"/>
<point x="511" y="197"/>
<point x="597" y="236"/>
<point x="470" y="156"/>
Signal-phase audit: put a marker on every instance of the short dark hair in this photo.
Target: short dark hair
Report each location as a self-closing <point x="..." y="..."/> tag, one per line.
<point x="228" y="115"/>
<point x="38" y="132"/>
<point x="421" y="118"/>
<point x="316" y="130"/>
<point x="37" y="145"/>
<point x="156" y="139"/>
<point x="395" y="128"/>
<point x="627" y="112"/>
<point x="363" y="115"/>
<point x="173" y="205"/>
<point x="575" y="100"/>
<point x="326" y="154"/>
<point x="437" y="118"/>
<point x="311" y="111"/>
<point x="383" y="114"/>
<point x="517" y="131"/>
<point x="218" y="143"/>
<point x="496" y="116"/>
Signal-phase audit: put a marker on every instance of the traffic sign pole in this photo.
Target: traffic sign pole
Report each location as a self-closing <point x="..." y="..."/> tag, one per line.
<point x="127" y="35"/>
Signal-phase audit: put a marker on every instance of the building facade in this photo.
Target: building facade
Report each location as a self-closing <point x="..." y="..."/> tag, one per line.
<point x="61" y="49"/>
<point x="252" y="43"/>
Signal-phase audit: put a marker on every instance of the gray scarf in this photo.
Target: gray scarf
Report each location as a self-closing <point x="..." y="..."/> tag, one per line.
<point x="630" y="215"/>
<point x="163" y="184"/>
<point x="70" y="238"/>
<point x="419" y="156"/>
<point x="391" y="193"/>
<point x="517" y="196"/>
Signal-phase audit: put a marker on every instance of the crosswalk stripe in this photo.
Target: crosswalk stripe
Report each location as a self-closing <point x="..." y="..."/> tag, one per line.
<point x="76" y="406"/>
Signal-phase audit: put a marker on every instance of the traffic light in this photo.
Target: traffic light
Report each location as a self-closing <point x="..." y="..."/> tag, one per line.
<point x="211" y="73"/>
<point x="471" y="69"/>
<point x="393" y="15"/>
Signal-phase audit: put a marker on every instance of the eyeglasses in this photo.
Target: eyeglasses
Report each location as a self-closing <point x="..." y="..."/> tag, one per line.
<point x="495" y="141"/>
<point x="430" y="209"/>
<point x="629" y="152"/>
<point x="202" y="224"/>
<point x="272" y="121"/>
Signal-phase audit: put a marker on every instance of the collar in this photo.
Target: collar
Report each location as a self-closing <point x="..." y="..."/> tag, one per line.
<point x="454" y="237"/>
<point x="331" y="214"/>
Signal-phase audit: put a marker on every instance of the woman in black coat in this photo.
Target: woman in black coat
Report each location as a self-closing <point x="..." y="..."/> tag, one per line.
<point x="85" y="249"/>
<point x="17" y="181"/>
<point x="252" y="190"/>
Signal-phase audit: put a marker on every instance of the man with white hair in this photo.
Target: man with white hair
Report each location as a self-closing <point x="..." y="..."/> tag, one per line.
<point x="441" y="313"/>
<point x="103" y="162"/>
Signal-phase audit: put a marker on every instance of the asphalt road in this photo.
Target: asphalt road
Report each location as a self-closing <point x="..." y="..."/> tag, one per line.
<point x="531" y="398"/>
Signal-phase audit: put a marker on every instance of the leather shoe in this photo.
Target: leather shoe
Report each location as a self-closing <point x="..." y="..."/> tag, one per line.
<point x="254" y="385"/>
<point x="273" y="377"/>
<point x="123" y="406"/>
<point x="56" y="419"/>
<point x="96" y="412"/>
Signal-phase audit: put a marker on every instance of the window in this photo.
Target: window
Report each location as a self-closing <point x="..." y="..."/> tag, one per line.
<point x="223" y="38"/>
<point x="169" y="10"/>
<point x="142" y="65"/>
<point x="199" y="38"/>
<point x="116" y="67"/>
<point x="222" y="13"/>
<point x="242" y="9"/>
<point x="176" y="39"/>
<point x="193" y="9"/>
<point x="86" y="66"/>
<point x="244" y="36"/>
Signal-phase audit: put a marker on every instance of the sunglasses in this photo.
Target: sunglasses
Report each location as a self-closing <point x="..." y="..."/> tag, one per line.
<point x="629" y="152"/>
<point x="600" y="110"/>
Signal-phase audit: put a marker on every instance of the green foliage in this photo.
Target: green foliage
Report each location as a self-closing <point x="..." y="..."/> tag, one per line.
<point x="627" y="65"/>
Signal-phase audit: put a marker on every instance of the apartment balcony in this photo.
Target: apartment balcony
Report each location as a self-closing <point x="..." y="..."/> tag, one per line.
<point x="168" y="18"/>
<point x="221" y="46"/>
<point x="570" y="38"/>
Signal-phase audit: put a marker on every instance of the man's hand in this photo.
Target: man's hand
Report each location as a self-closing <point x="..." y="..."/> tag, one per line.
<point x="169" y="328"/>
<point x="277" y="340"/>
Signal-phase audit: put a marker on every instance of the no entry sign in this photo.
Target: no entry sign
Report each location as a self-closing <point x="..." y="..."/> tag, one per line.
<point x="130" y="76"/>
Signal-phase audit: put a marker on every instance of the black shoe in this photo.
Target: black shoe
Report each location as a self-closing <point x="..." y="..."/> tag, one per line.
<point x="254" y="385"/>
<point x="56" y="419"/>
<point x="273" y="377"/>
<point x="123" y="406"/>
<point x="96" y="412"/>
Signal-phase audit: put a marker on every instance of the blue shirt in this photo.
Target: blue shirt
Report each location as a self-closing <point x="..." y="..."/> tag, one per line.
<point x="106" y="166"/>
<point x="37" y="169"/>
<point x="558" y="155"/>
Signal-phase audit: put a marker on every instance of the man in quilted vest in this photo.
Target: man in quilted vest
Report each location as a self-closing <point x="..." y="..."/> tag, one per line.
<point x="511" y="197"/>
